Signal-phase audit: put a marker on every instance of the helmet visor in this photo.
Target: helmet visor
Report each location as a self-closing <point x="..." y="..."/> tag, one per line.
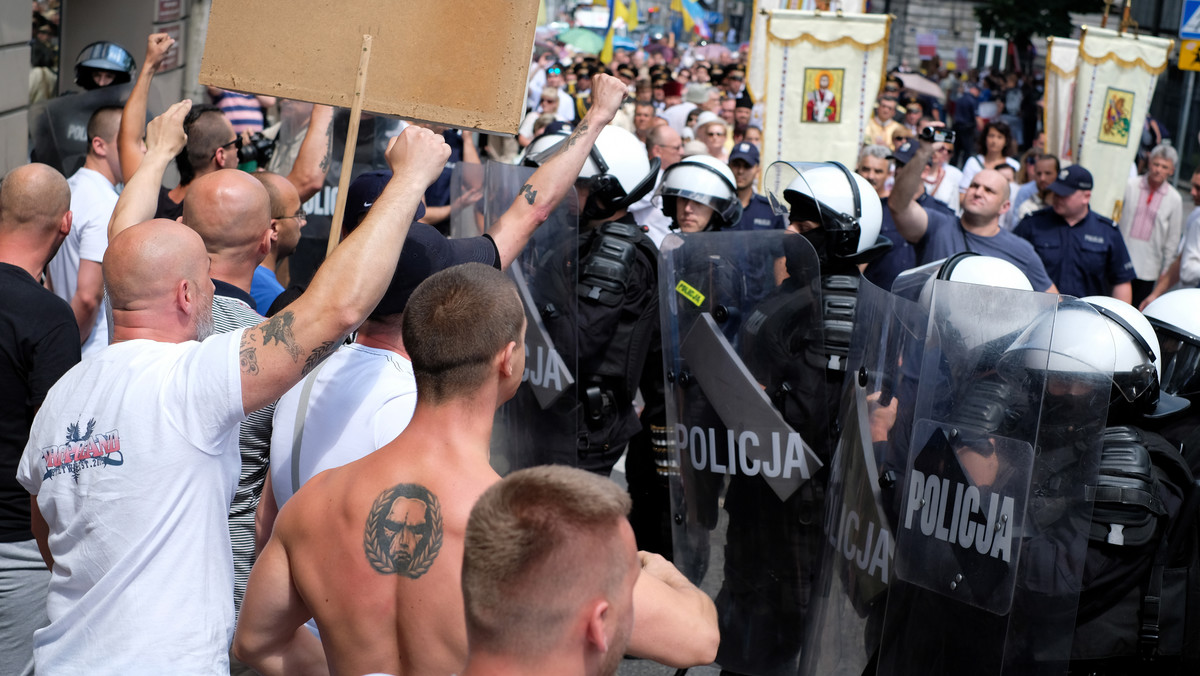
<point x="1179" y="363"/>
<point x="728" y="209"/>
<point x="793" y="194"/>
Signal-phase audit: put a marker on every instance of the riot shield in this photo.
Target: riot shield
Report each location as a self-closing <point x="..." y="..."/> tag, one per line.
<point x="539" y="424"/>
<point x="747" y="421"/>
<point x="992" y="528"/>
<point x="862" y="500"/>
<point x="58" y="126"/>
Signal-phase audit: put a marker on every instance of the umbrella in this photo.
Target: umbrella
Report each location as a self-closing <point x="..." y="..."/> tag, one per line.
<point x="624" y="43"/>
<point x="583" y="40"/>
<point x="919" y="85"/>
<point x="711" y="52"/>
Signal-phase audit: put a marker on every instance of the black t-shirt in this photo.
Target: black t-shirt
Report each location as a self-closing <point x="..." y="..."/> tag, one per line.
<point x="167" y="207"/>
<point x="39" y="341"/>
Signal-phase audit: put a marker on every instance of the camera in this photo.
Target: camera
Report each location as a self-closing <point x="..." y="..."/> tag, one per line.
<point x="258" y="149"/>
<point x="937" y="135"/>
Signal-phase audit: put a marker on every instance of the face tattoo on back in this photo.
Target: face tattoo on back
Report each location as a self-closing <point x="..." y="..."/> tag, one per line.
<point x="403" y="533"/>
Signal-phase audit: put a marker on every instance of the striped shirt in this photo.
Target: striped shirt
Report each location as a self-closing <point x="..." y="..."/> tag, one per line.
<point x="231" y="312"/>
<point x="242" y="110"/>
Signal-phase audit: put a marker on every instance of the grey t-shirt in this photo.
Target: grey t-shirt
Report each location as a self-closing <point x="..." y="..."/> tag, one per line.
<point x="946" y="236"/>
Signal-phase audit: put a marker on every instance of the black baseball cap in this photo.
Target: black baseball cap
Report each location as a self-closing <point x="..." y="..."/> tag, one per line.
<point x="746" y="152"/>
<point x="1071" y="179"/>
<point x="425" y="251"/>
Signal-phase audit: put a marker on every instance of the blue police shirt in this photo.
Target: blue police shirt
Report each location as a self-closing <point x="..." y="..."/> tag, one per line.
<point x="760" y="216"/>
<point x="883" y="271"/>
<point x="946" y="236"/>
<point x="1086" y="259"/>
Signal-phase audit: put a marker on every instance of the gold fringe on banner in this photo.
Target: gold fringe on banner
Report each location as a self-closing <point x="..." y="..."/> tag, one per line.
<point x="1136" y="63"/>
<point x="845" y="40"/>
<point x="1052" y="68"/>
<point x="1139" y="62"/>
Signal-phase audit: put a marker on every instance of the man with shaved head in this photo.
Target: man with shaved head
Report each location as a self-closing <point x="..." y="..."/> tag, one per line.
<point x="75" y="270"/>
<point x="39" y="341"/>
<point x="133" y="460"/>
<point x="286" y="220"/>
<point x="936" y="233"/>
<point x="231" y="212"/>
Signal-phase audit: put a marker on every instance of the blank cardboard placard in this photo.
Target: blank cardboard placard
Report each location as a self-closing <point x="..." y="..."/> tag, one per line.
<point x="462" y="63"/>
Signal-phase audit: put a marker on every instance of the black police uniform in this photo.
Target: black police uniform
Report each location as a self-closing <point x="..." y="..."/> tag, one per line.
<point x="614" y="328"/>
<point x="1086" y="259"/>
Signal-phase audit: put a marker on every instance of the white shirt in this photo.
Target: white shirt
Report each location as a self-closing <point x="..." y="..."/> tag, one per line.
<point x="93" y="199"/>
<point x="1151" y="257"/>
<point x="650" y="215"/>
<point x="137" y="502"/>
<point x="566" y="107"/>
<point x="1189" y="251"/>
<point x="946" y="190"/>
<point x="363" y="397"/>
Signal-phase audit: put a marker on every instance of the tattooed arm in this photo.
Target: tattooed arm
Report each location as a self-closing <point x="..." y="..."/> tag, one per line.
<point x="316" y="152"/>
<point x="271" y="636"/>
<point x="278" y="352"/>
<point x="550" y="183"/>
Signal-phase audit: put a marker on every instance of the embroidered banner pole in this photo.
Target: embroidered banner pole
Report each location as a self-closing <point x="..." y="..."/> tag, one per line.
<point x="823" y="74"/>
<point x="1115" y="80"/>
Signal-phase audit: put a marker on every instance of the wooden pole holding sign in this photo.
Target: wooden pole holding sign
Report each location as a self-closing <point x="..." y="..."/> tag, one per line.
<point x="360" y="85"/>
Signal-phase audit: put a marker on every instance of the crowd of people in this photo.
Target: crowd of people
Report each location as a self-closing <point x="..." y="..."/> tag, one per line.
<point x="269" y="475"/>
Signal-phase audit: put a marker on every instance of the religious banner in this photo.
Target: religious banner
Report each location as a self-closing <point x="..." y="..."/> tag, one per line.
<point x="1061" y="60"/>
<point x="1115" y="81"/>
<point x="823" y="74"/>
<point x="756" y="70"/>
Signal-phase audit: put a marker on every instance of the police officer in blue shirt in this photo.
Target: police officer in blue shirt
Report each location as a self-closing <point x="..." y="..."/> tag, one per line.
<point x="1083" y="251"/>
<point x="756" y="209"/>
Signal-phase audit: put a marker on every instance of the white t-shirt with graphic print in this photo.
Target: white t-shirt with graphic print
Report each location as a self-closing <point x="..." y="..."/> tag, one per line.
<point x="134" y="460"/>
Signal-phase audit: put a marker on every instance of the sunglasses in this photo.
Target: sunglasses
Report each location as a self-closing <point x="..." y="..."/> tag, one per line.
<point x="554" y="71"/>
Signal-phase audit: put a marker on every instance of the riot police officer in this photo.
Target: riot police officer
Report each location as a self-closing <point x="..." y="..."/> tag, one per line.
<point x="102" y="64"/>
<point x="615" y="322"/>
<point x="1176" y="322"/>
<point x="729" y="321"/>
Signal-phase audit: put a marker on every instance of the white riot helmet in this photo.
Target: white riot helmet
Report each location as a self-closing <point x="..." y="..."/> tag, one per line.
<point x="968" y="267"/>
<point x="1115" y="337"/>
<point x="703" y="179"/>
<point x="1175" y="317"/>
<point x="617" y="172"/>
<point x="842" y="202"/>
<point x="535" y="153"/>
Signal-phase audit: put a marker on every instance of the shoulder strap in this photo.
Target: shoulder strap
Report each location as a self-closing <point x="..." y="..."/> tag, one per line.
<point x="298" y="430"/>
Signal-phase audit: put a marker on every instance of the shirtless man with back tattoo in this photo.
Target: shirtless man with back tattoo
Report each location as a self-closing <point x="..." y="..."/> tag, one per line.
<point x="378" y="544"/>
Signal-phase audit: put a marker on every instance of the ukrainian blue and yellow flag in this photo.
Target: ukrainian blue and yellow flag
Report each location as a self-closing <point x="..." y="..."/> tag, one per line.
<point x="628" y="14"/>
<point x="693" y="21"/>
